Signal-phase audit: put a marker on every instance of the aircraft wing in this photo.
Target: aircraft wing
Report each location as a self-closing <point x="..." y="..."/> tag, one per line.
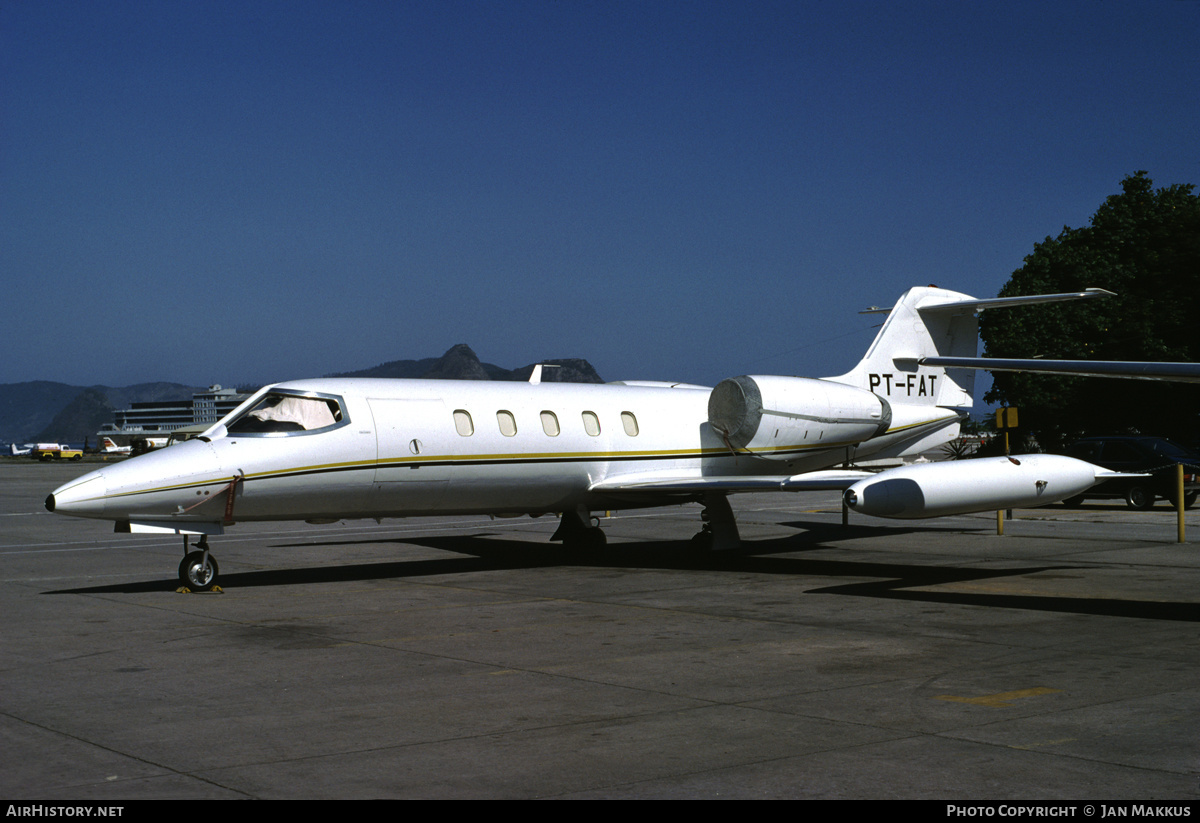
<point x="658" y="484"/>
<point x="1128" y="369"/>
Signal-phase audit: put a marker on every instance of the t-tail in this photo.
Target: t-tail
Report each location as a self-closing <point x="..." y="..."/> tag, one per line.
<point x="929" y="323"/>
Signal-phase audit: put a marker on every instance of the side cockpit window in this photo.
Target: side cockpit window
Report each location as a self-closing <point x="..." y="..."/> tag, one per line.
<point x="281" y="413"/>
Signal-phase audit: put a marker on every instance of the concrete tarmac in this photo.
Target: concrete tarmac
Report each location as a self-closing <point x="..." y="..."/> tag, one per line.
<point x="467" y="657"/>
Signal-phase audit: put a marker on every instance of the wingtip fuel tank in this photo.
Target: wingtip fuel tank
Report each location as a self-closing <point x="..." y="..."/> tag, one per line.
<point x="962" y="487"/>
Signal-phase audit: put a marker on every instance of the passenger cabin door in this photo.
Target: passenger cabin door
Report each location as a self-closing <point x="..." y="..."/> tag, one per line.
<point x="411" y="436"/>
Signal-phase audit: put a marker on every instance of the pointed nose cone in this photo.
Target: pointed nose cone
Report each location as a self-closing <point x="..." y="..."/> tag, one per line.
<point x="167" y="483"/>
<point x="82" y="497"/>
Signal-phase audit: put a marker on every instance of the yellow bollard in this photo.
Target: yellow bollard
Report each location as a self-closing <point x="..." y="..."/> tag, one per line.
<point x="1179" y="501"/>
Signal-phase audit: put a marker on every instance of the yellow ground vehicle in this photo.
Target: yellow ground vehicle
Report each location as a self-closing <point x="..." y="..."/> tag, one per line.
<point x="55" y="451"/>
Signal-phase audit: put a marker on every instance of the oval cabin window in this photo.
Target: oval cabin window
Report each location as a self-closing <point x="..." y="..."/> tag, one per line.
<point x="591" y="423"/>
<point x="508" y="423"/>
<point x="463" y="423"/>
<point x="630" y="423"/>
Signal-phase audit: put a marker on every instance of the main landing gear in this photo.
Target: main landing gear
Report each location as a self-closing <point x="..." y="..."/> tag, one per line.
<point x="577" y="529"/>
<point x="720" y="531"/>
<point x="198" y="570"/>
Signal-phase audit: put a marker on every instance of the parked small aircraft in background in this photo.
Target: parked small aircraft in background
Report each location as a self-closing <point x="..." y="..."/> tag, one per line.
<point x="107" y="446"/>
<point x="330" y="449"/>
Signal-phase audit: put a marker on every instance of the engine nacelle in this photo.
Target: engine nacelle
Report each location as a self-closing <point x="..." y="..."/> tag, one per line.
<point x="782" y="417"/>
<point x="964" y="486"/>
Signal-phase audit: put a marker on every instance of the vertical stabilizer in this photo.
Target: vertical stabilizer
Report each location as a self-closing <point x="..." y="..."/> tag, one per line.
<point x="925" y="322"/>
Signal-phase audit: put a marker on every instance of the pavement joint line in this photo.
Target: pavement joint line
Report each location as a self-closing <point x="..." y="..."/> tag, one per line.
<point x="120" y="753"/>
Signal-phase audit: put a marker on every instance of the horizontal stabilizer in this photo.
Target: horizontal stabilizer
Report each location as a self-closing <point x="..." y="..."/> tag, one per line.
<point x="1129" y="370"/>
<point x="976" y="304"/>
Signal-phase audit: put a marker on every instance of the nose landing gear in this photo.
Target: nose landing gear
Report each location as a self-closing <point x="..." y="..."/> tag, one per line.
<point x="198" y="569"/>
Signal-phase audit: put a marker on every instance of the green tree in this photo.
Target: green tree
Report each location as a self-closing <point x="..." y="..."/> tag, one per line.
<point x="1143" y="244"/>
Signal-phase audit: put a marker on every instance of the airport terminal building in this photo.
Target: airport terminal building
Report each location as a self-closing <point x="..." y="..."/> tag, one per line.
<point x="163" y="417"/>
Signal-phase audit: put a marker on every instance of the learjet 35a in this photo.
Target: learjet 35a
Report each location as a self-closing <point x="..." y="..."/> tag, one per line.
<point x="331" y="449"/>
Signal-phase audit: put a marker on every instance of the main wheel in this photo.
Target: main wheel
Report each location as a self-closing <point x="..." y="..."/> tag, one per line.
<point x="1139" y="497"/>
<point x="195" y="574"/>
<point x="1074" y="502"/>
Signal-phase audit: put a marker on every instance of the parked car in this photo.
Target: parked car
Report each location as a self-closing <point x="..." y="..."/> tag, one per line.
<point x="1136" y="454"/>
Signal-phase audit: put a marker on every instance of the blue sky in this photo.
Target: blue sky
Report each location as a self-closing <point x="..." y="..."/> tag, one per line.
<point x="241" y="192"/>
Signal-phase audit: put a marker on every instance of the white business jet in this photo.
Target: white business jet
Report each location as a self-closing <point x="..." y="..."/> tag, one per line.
<point x="331" y="449"/>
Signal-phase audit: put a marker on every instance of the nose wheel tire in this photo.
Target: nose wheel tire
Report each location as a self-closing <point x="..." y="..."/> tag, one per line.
<point x="196" y="574"/>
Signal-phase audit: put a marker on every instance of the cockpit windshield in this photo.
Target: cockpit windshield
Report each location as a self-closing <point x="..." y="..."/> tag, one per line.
<point x="281" y="413"/>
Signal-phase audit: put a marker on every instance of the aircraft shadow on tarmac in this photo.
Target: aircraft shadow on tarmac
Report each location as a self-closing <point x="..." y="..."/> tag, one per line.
<point x="486" y="552"/>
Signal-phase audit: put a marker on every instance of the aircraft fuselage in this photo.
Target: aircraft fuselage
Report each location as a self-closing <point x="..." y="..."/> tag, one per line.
<point x="416" y="447"/>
